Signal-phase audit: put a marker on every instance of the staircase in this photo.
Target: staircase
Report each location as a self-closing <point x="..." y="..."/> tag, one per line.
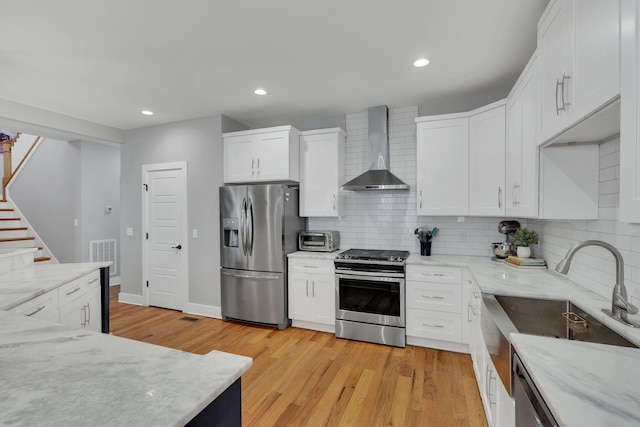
<point x="14" y="231"/>
<point x="14" y="235"/>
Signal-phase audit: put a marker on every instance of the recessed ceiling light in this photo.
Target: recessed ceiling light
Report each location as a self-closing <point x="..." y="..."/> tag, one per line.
<point x="260" y="92"/>
<point x="147" y="112"/>
<point x="422" y="62"/>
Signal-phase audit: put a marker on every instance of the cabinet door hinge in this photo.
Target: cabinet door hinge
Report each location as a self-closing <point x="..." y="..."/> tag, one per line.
<point x="146" y="187"/>
<point x="147" y="283"/>
<point x="147" y="236"/>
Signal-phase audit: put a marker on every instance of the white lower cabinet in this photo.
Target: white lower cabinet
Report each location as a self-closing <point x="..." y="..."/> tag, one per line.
<point x="312" y="287"/>
<point x="76" y="304"/>
<point x="43" y="307"/>
<point x="499" y="407"/>
<point x="84" y="312"/>
<point x="435" y="301"/>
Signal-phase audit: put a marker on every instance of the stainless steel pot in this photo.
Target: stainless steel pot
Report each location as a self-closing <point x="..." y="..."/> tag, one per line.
<point x="502" y="249"/>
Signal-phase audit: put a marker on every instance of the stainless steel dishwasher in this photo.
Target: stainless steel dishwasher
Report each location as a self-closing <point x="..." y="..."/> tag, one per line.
<point x="531" y="410"/>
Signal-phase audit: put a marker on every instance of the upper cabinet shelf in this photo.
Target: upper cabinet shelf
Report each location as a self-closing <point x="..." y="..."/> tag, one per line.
<point x="578" y="44"/>
<point x="262" y="155"/>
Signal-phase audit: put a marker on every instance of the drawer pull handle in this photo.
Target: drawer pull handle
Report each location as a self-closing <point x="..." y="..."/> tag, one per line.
<point x="433" y="274"/>
<point x="432" y="326"/>
<point x="94" y="280"/>
<point x="73" y="291"/>
<point x="37" y="310"/>
<point x="310" y="266"/>
<point x="432" y="297"/>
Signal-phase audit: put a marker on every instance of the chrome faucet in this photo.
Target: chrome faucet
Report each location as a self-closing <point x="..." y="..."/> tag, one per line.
<point x="620" y="305"/>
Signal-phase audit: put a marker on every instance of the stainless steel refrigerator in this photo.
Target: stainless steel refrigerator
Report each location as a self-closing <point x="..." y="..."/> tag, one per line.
<point x="259" y="226"/>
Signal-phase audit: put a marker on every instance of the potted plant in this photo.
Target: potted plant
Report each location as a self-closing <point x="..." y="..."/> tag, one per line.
<point x="523" y="238"/>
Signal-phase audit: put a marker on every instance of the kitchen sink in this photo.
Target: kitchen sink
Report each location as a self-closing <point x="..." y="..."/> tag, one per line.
<point x="503" y="315"/>
<point x="559" y="319"/>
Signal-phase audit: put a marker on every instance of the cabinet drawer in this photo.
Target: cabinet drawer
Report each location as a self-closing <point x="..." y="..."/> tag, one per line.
<point x="434" y="274"/>
<point x="42" y="307"/>
<point x="78" y="287"/>
<point x="434" y="325"/>
<point x="434" y="296"/>
<point x="318" y="266"/>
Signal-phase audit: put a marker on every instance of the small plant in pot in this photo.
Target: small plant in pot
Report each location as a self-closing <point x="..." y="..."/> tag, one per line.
<point x="523" y="238"/>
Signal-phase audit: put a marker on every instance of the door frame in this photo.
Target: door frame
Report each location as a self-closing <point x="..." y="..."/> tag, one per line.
<point x="156" y="167"/>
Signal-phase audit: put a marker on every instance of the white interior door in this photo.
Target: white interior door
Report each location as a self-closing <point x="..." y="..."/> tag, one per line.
<point x="165" y="235"/>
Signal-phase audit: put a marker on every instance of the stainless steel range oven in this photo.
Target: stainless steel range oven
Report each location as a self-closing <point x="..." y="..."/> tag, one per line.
<point x="370" y="296"/>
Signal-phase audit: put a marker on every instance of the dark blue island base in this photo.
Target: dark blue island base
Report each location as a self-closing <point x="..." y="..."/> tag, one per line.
<point x="225" y="411"/>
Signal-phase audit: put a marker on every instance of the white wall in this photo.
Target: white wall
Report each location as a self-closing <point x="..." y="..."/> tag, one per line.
<point x="47" y="193"/>
<point x="386" y="220"/>
<point x="99" y="187"/>
<point x="199" y="143"/>
<point x="64" y="181"/>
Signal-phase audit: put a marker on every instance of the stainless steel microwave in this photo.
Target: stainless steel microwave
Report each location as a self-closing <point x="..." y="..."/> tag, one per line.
<point x="319" y="241"/>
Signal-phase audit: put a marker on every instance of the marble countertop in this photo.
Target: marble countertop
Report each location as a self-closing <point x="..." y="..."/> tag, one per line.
<point x="51" y="375"/>
<point x="583" y="383"/>
<point x="19" y="286"/>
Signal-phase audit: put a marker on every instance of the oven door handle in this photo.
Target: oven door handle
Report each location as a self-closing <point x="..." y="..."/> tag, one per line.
<point x="372" y="276"/>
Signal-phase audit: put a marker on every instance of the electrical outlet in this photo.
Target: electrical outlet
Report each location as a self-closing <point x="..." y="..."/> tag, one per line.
<point x="129" y="231"/>
<point x="195" y="233"/>
<point x="460" y="219"/>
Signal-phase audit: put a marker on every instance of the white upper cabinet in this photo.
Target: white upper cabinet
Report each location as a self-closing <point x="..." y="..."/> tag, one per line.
<point x="522" y="149"/>
<point x="487" y="161"/>
<point x="578" y="44"/>
<point x="322" y="172"/>
<point x="629" y="122"/>
<point x="443" y="165"/>
<point x="262" y="155"/>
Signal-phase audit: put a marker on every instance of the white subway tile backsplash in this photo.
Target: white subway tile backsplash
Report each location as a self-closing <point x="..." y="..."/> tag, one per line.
<point x="387" y="220"/>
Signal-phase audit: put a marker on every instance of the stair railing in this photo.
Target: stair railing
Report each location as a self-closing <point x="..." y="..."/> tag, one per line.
<point x="15" y="152"/>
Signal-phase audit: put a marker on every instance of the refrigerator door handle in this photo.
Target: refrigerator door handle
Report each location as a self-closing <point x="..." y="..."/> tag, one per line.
<point x="250" y="227"/>
<point x="243" y="226"/>
<point x="265" y="276"/>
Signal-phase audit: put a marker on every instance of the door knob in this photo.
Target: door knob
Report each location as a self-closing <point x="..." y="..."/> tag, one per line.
<point x="176" y="247"/>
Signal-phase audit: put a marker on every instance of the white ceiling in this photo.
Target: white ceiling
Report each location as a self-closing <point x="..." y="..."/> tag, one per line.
<point x="104" y="62"/>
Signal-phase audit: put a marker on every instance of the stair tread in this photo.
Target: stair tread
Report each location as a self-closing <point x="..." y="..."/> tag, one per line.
<point x="6" y="210"/>
<point x="15" y="239"/>
<point x="9" y="219"/>
<point x="14" y="229"/>
<point x="41" y="258"/>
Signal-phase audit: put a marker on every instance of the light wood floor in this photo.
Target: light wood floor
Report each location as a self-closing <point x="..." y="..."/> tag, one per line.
<point x="306" y="378"/>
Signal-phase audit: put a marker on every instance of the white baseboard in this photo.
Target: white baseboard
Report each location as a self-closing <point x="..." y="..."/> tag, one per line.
<point x="440" y="345"/>
<point x="114" y="281"/>
<point x="203" y="310"/>
<point x="131" y="299"/>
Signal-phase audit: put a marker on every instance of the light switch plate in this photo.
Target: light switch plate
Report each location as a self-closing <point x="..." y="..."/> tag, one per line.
<point x="129" y="231"/>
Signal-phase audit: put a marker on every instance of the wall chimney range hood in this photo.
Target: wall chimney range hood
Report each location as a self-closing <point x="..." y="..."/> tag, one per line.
<point x="378" y="177"/>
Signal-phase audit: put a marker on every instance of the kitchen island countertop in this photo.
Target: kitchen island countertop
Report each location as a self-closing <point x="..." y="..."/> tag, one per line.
<point x="52" y="375"/>
<point x="24" y="284"/>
